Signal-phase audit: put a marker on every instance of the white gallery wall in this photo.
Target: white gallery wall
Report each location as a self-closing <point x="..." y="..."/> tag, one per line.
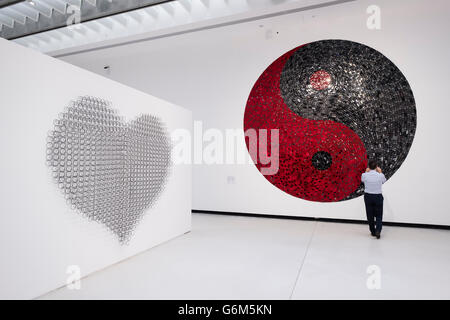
<point x="211" y="72"/>
<point x="40" y="235"/>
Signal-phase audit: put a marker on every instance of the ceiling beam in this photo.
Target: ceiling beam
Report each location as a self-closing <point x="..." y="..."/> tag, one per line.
<point x="89" y="10"/>
<point x="7" y="3"/>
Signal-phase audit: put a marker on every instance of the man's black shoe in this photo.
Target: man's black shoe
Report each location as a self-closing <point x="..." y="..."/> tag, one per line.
<point x="378" y="235"/>
<point x="373" y="234"/>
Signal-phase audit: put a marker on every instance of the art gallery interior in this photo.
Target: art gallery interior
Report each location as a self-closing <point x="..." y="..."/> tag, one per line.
<point x="214" y="149"/>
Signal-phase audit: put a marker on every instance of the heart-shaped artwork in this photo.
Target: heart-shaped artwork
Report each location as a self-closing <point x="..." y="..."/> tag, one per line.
<point x="109" y="170"/>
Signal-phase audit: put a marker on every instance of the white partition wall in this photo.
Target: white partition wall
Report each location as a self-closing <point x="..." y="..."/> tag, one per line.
<point x="43" y="240"/>
<point x="213" y="71"/>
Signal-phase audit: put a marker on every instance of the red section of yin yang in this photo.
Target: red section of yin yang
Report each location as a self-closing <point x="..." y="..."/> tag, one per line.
<point x="300" y="139"/>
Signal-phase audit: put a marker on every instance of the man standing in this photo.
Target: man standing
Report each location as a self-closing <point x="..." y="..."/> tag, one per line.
<point x="373" y="178"/>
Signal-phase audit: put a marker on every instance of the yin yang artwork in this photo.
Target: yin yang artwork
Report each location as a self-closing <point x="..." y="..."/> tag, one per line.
<point x="336" y="104"/>
<point x="109" y="171"/>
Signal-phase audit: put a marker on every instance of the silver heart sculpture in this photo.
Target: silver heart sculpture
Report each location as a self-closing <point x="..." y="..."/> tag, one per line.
<point x="110" y="171"/>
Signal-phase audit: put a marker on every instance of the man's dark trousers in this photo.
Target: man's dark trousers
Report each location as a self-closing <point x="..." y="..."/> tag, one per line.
<point x="374" y="211"/>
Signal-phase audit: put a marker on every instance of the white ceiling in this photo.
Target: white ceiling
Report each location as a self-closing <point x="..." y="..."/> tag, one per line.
<point x="159" y="20"/>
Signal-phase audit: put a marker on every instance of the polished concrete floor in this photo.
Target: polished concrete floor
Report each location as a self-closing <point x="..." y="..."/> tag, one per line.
<point x="230" y="257"/>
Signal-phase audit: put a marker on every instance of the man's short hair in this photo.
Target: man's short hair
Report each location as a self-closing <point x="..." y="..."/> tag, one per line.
<point x="373" y="164"/>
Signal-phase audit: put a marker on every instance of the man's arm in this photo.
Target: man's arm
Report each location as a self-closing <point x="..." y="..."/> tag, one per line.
<point x="383" y="178"/>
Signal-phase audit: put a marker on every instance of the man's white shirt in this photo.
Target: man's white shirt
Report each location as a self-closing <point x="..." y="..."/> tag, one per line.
<point x="372" y="181"/>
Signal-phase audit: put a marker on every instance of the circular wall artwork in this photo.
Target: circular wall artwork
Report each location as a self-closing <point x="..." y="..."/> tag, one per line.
<point x="336" y="104"/>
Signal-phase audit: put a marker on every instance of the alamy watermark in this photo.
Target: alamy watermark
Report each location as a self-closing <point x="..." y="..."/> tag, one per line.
<point x="74" y="14"/>
<point x="215" y="146"/>
<point x="73" y="281"/>
<point x="373" y="281"/>
<point x="374" y="20"/>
